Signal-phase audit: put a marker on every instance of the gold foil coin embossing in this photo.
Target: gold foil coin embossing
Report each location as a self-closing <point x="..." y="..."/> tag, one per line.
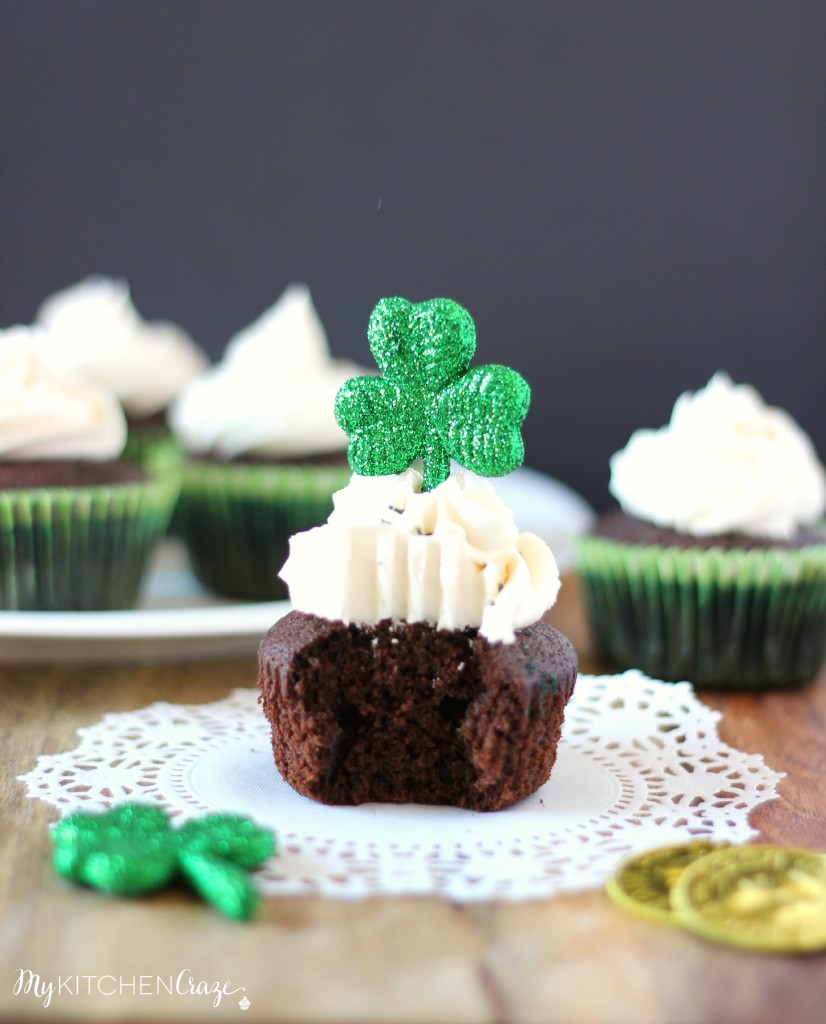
<point x="643" y="883"/>
<point x="761" y="897"/>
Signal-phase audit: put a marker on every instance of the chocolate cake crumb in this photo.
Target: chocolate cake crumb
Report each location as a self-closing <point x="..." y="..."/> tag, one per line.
<point x="407" y="713"/>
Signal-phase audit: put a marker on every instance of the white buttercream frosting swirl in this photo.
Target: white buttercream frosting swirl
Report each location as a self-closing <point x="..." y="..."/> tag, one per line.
<point x="94" y="331"/>
<point x="452" y="557"/>
<point x="726" y="463"/>
<point x="273" y="393"/>
<point x="44" y="415"/>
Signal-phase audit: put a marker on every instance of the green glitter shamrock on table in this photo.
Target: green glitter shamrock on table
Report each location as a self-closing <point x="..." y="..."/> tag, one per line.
<point x="428" y="405"/>
<point x="131" y="849"/>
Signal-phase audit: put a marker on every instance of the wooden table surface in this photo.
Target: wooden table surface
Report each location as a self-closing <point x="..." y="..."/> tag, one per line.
<point x="566" y="960"/>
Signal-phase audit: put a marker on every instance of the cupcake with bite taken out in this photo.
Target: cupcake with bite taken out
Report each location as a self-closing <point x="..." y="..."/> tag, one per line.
<point x="264" y="452"/>
<point x="416" y="665"/>
<point x="713" y="569"/>
<point x="77" y="522"/>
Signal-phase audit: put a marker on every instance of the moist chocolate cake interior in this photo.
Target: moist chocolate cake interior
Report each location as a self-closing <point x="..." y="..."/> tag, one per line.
<point x="408" y="713"/>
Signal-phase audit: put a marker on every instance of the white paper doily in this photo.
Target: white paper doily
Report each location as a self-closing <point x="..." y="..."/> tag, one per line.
<point x="640" y="764"/>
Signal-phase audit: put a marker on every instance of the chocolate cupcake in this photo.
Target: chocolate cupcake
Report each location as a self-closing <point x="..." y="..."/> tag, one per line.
<point x="403" y="713"/>
<point x="78" y="522"/>
<point x="415" y="666"/>
<point x="264" y="453"/>
<point x="714" y="568"/>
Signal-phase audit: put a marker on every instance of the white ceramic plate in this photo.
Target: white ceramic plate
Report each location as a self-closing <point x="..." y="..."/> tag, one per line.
<point x="178" y="618"/>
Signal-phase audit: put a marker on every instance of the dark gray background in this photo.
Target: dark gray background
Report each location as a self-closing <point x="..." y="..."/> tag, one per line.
<point x="627" y="196"/>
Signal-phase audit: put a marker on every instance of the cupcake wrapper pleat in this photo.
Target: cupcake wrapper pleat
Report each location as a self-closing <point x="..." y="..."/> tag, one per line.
<point x="237" y="521"/>
<point x="80" y="549"/>
<point x="157" y="451"/>
<point x="718" y="617"/>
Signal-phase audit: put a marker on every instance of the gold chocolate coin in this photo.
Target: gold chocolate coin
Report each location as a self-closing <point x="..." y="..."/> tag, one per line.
<point x="762" y="897"/>
<point x="642" y="884"/>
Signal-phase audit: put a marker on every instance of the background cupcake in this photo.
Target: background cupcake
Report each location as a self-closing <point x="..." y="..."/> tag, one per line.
<point x="714" y="569"/>
<point x="265" y="452"/>
<point x="77" y="522"/>
<point x="93" y="331"/>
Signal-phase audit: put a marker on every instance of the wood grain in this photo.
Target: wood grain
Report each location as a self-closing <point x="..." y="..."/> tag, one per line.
<point x="574" y="959"/>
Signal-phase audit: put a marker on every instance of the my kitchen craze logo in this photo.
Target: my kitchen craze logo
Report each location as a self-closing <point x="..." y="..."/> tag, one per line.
<point x="30" y="983"/>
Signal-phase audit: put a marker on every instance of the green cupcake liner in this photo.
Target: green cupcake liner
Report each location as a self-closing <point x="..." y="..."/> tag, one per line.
<point x="734" y="619"/>
<point x="237" y="521"/>
<point x="80" y="548"/>
<point x="160" y="454"/>
<point x="156" y="450"/>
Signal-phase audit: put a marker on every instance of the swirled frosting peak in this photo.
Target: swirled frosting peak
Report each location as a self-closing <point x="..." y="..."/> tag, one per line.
<point x="94" y="331"/>
<point x="726" y="463"/>
<point x="451" y="556"/>
<point x="44" y="415"/>
<point x="272" y="394"/>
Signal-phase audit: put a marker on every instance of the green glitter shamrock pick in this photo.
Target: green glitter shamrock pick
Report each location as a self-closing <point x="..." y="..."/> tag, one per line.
<point x="429" y="405"/>
<point x="131" y="849"/>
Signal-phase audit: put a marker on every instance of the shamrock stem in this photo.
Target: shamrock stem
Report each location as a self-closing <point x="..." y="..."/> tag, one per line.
<point x="220" y="882"/>
<point x="436" y="465"/>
